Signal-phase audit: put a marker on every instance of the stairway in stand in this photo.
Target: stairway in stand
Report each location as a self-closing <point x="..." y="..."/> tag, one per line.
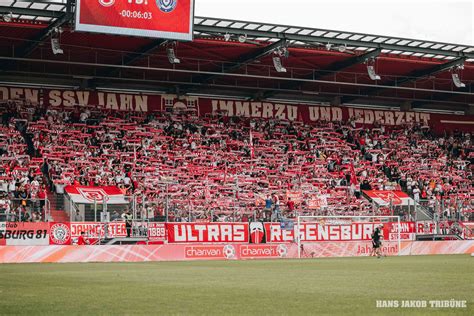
<point x="58" y="214"/>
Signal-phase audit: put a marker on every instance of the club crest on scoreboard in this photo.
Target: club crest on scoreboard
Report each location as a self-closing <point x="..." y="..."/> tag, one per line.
<point x="166" y="6"/>
<point x="107" y="3"/>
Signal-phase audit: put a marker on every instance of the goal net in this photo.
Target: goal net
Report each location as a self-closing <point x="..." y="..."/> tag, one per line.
<point x="312" y="232"/>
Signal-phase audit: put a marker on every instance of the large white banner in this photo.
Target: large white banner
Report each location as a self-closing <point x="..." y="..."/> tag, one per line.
<point x="91" y="195"/>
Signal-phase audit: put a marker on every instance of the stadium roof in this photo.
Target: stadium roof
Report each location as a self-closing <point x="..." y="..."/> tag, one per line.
<point x="235" y="58"/>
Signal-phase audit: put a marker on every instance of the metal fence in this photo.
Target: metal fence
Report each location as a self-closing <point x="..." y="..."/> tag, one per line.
<point x="26" y="210"/>
<point x="451" y="209"/>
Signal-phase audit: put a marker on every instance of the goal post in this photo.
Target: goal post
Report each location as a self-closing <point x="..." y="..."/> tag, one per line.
<point x="345" y="220"/>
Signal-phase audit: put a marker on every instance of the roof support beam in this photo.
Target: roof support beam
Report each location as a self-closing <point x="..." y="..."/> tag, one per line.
<point x="248" y="58"/>
<point x="412" y="77"/>
<point x="45" y="33"/>
<point x="143" y="52"/>
<point x="333" y="68"/>
<point x="131" y="58"/>
<point x="243" y="60"/>
<point x="344" y="64"/>
<point x="415" y="75"/>
<point x="31" y="45"/>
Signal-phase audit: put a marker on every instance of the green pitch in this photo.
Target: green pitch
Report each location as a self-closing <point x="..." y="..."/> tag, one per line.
<point x="347" y="286"/>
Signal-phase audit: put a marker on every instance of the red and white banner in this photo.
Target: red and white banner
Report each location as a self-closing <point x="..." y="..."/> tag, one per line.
<point x="180" y="252"/>
<point x="314" y="232"/>
<point x="267" y="110"/>
<point x="408" y="230"/>
<point x="89" y="195"/>
<point x="208" y="232"/>
<point x="171" y="19"/>
<point x="24" y="234"/>
<point x="390" y="197"/>
<point x="98" y="230"/>
<point x="156" y="232"/>
<point x="254" y="233"/>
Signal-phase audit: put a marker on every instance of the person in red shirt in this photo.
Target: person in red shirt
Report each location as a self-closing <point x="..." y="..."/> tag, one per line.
<point x="291" y="205"/>
<point x="82" y="240"/>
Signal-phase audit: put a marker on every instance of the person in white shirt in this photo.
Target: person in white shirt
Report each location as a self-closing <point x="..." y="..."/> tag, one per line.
<point x="416" y="194"/>
<point x="126" y="180"/>
<point x="3" y="185"/>
<point x="24" y="180"/>
<point x="118" y="178"/>
<point x="34" y="184"/>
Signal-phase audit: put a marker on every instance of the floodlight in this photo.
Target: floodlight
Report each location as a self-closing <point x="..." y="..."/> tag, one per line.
<point x="456" y="78"/>
<point x="372" y="74"/>
<point x="371" y="69"/>
<point x="227" y="37"/>
<point x="55" y="46"/>
<point x="278" y="65"/>
<point x="457" y="81"/>
<point x="172" y="56"/>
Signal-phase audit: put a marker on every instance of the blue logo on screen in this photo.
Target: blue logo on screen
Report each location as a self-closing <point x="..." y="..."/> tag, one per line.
<point x="167" y="6"/>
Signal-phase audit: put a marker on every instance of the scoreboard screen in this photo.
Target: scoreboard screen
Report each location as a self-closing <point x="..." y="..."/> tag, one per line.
<point x="169" y="19"/>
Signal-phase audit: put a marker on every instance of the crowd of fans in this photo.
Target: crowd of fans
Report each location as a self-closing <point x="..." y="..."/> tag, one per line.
<point x="230" y="169"/>
<point x="22" y="190"/>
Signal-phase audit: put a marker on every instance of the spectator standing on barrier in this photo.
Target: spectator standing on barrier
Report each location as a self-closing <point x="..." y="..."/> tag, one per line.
<point x="127" y="217"/>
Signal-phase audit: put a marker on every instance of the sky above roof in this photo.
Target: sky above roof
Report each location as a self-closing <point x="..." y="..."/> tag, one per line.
<point x="450" y="21"/>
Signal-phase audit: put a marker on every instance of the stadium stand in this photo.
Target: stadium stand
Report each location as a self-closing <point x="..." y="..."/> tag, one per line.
<point x="226" y="168"/>
<point x="183" y="165"/>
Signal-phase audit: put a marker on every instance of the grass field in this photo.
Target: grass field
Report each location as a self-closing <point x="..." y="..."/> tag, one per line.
<point x="348" y="286"/>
